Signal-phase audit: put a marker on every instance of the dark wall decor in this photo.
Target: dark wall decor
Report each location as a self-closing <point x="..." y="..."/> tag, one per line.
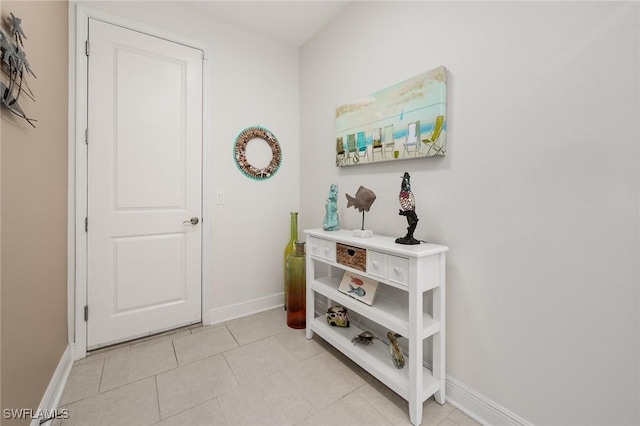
<point x="240" y="153"/>
<point x="14" y="64"/>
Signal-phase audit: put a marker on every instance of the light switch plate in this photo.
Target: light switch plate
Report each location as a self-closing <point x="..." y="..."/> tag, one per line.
<point x="220" y="197"/>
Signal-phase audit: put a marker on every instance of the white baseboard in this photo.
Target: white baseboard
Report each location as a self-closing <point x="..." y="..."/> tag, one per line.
<point x="479" y="407"/>
<point x="227" y="313"/>
<point x="53" y="394"/>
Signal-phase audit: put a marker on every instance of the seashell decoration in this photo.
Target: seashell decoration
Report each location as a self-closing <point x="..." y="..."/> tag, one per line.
<point x="240" y="153"/>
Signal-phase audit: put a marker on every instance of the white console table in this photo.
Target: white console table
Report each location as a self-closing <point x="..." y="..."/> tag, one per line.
<point x="415" y="269"/>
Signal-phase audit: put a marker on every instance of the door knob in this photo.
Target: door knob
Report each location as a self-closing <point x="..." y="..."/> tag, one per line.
<point x="194" y="221"/>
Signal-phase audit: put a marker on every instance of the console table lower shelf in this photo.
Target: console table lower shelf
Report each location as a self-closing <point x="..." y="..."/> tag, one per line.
<point x="374" y="358"/>
<point x="415" y="269"/>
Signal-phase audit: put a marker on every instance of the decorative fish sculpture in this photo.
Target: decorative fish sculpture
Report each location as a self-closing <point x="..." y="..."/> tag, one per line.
<point x="363" y="199"/>
<point x="358" y="291"/>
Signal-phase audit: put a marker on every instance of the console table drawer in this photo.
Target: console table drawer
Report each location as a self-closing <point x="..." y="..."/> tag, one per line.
<point x="388" y="267"/>
<point x="377" y="264"/>
<point x="352" y="256"/>
<point x="322" y="248"/>
<point x="398" y="270"/>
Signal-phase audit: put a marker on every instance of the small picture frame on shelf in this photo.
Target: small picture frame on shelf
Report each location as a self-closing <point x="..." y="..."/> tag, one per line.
<point x="359" y="287"/>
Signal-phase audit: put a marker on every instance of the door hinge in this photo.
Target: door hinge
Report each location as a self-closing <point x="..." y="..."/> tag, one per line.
<point x="86" y="224"/>
<point x="86" y="312"/>
<point x="86" y="47"/>
<point x="86" y="136"/>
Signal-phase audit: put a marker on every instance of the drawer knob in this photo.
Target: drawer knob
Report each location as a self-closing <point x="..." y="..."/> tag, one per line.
<point x="326" y="249"/>
<point x="375" y="264"/>
<point x="314" y="247"/>
<point x="397" y="270"/>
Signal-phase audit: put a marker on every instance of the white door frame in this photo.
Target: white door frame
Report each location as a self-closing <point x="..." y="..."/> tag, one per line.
<point x="77" y="238"/>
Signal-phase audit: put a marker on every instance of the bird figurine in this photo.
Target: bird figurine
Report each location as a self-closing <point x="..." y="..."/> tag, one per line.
<point x="408" y="209"/>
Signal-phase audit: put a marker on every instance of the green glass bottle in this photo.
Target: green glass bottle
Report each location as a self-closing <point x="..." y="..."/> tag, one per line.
<point x="290" y="248"/>
<point x="297" y="288"/>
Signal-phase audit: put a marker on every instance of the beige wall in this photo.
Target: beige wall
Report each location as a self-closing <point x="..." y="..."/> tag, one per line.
<point x="33" y="176"/>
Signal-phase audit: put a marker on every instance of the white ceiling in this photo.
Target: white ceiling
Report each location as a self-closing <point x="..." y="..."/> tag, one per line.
<point x="290" y="22"/>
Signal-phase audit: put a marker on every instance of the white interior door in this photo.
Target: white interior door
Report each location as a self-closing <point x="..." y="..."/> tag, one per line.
<point x="144" y="182"/>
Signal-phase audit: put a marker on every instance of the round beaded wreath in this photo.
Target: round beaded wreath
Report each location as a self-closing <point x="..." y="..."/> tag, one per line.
<point x="240" y="153"/>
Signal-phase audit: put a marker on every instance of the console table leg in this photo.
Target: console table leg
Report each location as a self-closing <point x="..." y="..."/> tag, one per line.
<point x="415" y="412"/>
<point x="438" y="338"/>
<point x="438" y="365"/>
<point x="310" y="299"/>
<point x="415" y="355"/>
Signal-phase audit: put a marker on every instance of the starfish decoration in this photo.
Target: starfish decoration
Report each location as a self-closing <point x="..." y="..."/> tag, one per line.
<point x="16" y="28"/>
<point x="14" y="64"/>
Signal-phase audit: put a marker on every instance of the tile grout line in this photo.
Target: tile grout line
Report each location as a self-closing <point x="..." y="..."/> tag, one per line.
<point x="232" y="335"/>
<point x="86" y="397"/>
<point x="175" y="354"/>
<point x="201" y="403"/>
<point x="139" y="379"/>
<point x="380" y="413"/>
<point x="104" y="362"/>
<point x="191" y="408"/>
<point x="127" y="384"/>
<point x="226" y="361"/>
<point x="200" y="336"/>
<point x="155" y="378"/>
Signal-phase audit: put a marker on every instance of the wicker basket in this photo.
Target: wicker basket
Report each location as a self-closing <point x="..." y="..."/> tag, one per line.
<point x="354" y="257"/>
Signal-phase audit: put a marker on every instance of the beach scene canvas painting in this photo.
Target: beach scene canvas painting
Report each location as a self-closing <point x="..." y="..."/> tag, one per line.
<point x="404" y="121"/>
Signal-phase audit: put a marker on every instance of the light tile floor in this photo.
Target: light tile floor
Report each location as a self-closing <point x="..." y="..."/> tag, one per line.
<point x="250" y="371"/>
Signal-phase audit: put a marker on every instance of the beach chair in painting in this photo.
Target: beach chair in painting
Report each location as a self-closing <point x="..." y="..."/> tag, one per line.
<point x="387" y="140"/>
<point x="352" y="149"/>
<point x="430" y="142"/>
<point x="412" y="144"/>
<point x="362" y="145"/>
<point x="377" y="143"/>
<point x="340" y="153"/>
